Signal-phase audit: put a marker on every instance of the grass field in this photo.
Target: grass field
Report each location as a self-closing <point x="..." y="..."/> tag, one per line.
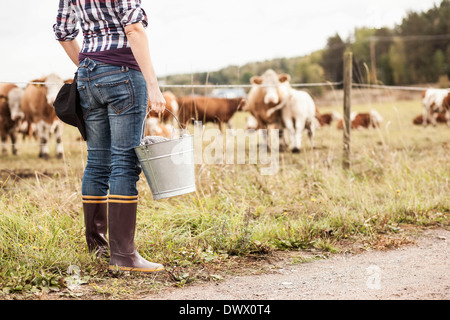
<point x="399" y="179"/>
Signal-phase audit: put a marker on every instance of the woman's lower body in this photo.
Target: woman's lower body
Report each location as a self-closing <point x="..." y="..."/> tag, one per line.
<point x="114" y="102"/>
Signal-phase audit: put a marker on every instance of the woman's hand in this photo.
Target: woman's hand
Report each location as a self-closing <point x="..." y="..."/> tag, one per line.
<point x="156" y="100"/>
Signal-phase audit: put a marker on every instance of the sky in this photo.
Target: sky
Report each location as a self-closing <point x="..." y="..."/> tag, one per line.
<point x="199" y="35"/>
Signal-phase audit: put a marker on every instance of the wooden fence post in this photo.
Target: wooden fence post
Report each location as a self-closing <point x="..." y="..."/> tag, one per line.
<point x="348" y="72"/>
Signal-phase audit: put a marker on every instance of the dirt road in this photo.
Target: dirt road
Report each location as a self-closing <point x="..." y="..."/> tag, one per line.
<point x="416" y="271"/>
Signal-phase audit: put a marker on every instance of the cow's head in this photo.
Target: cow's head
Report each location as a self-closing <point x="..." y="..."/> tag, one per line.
<point x="53" y="83"/>
<point x="273" y="85"/>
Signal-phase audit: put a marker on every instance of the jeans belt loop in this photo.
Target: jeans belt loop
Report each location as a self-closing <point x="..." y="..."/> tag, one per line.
<point x="91" y="65"/>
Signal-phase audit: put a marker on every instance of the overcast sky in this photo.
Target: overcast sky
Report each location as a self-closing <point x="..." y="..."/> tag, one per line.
<point x="199" y="35"/>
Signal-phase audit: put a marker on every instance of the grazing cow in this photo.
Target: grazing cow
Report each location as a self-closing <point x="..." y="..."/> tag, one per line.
<point x="37" y="106"/>
<point x="10" y="114"/>
<point x="274" y="103"/>
<point x="433" y="102"/>
<point x="440" y="118"/>
<point x="363" y="120"/>
<point x="207" y="109"/>
<point x="171" y="105"/>
<point x="325" y="119"/>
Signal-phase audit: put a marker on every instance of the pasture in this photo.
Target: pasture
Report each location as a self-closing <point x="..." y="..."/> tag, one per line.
<point x="399" y="181"/>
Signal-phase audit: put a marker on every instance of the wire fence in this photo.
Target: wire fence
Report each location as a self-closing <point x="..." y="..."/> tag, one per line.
<point x="214" y="86"/>
<point x="208" y="86"/>
<point x="234" y="86"/>
<point x="379" y="86"/>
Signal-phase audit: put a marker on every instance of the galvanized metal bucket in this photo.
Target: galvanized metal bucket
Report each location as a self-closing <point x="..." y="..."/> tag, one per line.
<point x="168" y="166"/>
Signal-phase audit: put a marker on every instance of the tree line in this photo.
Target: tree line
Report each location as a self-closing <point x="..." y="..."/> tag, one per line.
<point x="416" y="51"/>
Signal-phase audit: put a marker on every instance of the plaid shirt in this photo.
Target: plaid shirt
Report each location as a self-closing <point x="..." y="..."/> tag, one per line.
<point x="102" y="22"/>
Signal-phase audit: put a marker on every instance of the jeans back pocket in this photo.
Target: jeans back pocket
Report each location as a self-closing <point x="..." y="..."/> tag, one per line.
<point x="117" y="94"/>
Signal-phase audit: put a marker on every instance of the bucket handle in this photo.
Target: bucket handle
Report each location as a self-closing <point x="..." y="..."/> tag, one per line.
<point x="145" y="122"/>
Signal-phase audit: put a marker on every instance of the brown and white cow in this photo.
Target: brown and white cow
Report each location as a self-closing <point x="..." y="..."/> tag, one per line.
<point x="433" y="102"/>
<point x="371" y="119"/>
<point x="264" y="96"/>
<point x="325" y="119"/>
<point x="37" y="106"/>
<point x="10" y="114"/>
<point x="274" y="103"/>
<point x="208" y="109"/>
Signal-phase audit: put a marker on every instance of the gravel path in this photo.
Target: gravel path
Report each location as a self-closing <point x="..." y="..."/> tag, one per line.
<point x="417" y="271"/>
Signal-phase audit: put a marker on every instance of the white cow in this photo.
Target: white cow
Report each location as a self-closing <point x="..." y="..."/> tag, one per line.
<point x="298" y="112"/>
<point x="433" y="102"/>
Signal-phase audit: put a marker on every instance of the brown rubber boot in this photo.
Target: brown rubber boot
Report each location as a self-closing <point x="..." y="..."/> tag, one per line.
<point x="96" y="220"/>
<point x="122" y="212"/>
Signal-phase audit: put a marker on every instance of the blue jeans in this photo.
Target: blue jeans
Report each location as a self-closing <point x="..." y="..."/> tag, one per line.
<point x="114" y="102"/>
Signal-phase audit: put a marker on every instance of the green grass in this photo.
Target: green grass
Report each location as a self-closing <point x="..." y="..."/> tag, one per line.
<point x="400" y="176"/>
